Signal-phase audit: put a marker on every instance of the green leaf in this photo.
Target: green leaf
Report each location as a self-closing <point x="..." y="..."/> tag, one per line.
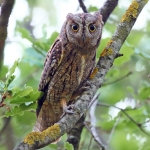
<point x="144" y="93"/>
<point x="53" y="146"/>
<point x="3" y="71"/>
<point x="140" y="66"/>
<point x="2" y="85"/>
<point x="52" y="38"/>
<point x="10" y="77"/>
<point x="92" y="9"/>
<point x="25" y="34"/>
<point x="20" y="109"/>
<point x="34" y="57"/>
<point x="44" y="31"/>
<point x="24" y="95"/>
<point x="68" y="146"/>
<point x="143" y="53"/>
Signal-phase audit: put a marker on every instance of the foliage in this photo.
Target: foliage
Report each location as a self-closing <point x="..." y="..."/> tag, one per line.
<point x="131" y="93"/>
<point x="22" y="99"/>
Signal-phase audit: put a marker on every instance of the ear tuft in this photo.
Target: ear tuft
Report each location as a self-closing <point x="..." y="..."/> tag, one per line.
<point x="99" y="17"/>
<point x="69" y="16"/>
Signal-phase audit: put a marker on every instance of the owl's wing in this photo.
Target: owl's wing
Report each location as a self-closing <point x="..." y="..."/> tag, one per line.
<point x="52" y="61"/>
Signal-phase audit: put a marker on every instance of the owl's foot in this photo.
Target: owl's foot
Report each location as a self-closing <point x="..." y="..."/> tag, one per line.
<point x="85" y="87"/>
<point x="66" y="109"/>
<point x="88" y="83"/>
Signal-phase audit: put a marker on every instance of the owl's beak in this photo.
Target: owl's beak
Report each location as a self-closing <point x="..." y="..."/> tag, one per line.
<point x="83" y="38"/>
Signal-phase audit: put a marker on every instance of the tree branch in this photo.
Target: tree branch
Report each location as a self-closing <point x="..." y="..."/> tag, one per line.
<point x="83" y="6"/>
<point x="107" y="9"/>
<point x="126" y="114"/>
<point x="6" y="8"/>
<point x="37" y="140"/>
<point x="121" y="78"/>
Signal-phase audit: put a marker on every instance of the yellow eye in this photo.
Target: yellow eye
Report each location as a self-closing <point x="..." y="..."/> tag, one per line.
<point x="75" y="27"/>
<point x="92" y="27"/>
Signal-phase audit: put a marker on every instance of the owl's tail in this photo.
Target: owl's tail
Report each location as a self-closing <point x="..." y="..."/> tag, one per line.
<point x="46" y="117"/>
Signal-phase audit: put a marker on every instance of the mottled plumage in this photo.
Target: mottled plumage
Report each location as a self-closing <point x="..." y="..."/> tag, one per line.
<point x="68" y="64"/>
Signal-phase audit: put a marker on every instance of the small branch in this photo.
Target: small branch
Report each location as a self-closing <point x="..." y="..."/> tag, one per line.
<point x="92" y="123"/>
<point x="94" y="132"/>
<point x="6" y="9"/>
<point x="4" y="95"/>
<point x="83" y="6"/>
<point x="107" y="9"/>
<point x="121" y="78"/>
<point x="126" y="114"/>
<point x="112" y="131"/>
<point x="94" y="99"/>
<point x="90" y="143"/>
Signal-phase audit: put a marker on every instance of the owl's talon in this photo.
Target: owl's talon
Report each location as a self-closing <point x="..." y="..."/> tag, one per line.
<point x="85" y="88"/>
<point x="88" y="83"/>
<point x="67" y="111"/>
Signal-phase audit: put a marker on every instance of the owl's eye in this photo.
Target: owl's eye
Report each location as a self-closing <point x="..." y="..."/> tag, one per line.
<point x="92" y="27"/>
<point x="75" y="27"/>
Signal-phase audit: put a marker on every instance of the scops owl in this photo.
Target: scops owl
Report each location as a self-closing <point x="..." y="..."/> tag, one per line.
<point x="68" y="65"/>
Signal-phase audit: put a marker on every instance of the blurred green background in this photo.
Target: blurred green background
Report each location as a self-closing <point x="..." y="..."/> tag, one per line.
<point x="34" y="26"/>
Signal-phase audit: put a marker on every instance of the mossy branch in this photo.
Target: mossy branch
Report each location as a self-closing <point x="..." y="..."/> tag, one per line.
<point x="104" y="64"/>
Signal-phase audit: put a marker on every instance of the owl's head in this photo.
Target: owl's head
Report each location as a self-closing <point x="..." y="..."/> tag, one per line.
<point x="84" y="29"/>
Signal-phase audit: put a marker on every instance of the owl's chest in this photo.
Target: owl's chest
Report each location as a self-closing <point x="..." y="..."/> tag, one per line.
<point x="75" y="64"/>
<point x="73" y="70"/>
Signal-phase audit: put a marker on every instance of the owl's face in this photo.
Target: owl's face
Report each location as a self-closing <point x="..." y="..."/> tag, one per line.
<point x="84" y="29"/>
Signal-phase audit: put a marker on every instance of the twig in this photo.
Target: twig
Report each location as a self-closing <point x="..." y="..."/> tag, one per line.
<point x="83" y="6"/>
<point x="91" y="127"/>
<point x="94" y="99"/>
<point x="3" y="97"/>
<point x="113" y="129"/>
<point x="94" y="134"/>
<point x="126" y="114"/>
<point x="90" y="143"/>
<point x="121" y="78"/>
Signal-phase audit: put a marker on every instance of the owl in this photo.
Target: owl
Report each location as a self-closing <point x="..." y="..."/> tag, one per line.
<point x="68" y="65"/>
